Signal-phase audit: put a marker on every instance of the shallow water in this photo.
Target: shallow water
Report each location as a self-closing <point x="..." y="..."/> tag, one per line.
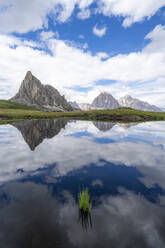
<point x="45" y="163"/>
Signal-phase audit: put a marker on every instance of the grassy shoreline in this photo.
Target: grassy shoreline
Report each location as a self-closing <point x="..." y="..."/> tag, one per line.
<point x="121" y="114"/>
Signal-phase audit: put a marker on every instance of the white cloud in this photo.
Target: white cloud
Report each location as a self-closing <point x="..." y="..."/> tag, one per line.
<point x="102" y="55"/>
<point x="69" y="66"/>
<point x="132" y="11"/>
<point x="99" y="31"/>
<point x="85" y="3"/>
<point x="24" y="16"/>
<point x="158" y="40"/>
<point x="81" y="36"/>
<point x="84" y="14"/>
<point x="47" y="35"/>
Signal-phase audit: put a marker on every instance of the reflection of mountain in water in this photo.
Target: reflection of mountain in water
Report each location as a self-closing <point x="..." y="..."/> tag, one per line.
<point x="127" y="125"/>
<point x="34" y="132"/>
<point x="105" y="126"/>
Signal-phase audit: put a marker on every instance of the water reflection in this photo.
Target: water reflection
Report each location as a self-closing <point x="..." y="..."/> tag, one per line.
<point x="104" y="126"/>
<point x="85" y="219"/>
<point x="123" y="166"/>
<point x="32" y="216"/>
<point x="34" y="132"/>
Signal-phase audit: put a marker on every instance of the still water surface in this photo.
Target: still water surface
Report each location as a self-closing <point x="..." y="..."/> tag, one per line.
<point x="45" y="163"/>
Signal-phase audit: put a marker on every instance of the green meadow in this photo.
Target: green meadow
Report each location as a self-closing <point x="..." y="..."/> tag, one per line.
<point x="10" y="111"/>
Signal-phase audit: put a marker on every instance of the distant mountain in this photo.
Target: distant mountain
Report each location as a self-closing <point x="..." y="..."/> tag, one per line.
<point x="84" y="106"/>
<point x="42" y="97"/>
<point x="74" y="105"/>
<point x="105" y="101"/>
<point x="128" y="101"/>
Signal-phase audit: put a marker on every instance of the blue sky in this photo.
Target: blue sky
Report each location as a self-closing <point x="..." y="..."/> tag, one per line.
<point x="84" y="47"/>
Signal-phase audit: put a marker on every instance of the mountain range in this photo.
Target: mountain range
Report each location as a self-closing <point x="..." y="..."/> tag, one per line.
<point x="107" y="101"/>
<point x="45" y="97"/>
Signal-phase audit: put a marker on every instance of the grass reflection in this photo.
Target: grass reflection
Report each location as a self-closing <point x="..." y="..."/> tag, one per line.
<point x="85" y="208"/>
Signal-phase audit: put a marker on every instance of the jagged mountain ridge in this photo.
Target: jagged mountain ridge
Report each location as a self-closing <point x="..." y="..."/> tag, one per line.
<point x="43" y="97"/>
<point x="128" y="101"/>
<point x="107" y="101"/>
<point x="102" y="101"/>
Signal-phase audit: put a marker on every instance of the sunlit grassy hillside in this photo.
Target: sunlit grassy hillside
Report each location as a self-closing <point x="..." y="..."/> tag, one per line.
<point x="4" y="104"/>
<point x="9" y="110"/>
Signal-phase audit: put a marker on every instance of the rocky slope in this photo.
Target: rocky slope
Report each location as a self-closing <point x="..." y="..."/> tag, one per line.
<point x="42" y="97"/>
<point x="128" y="101"/>
<point x="105" y="101"/>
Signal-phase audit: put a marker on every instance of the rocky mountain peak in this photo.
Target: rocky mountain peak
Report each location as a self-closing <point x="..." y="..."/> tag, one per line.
<point x="28" y="75"/>
<point x="105" y="101"/>
<point x="127" y="97"/>
<point x="128" y="101"/>
<point x="43" y="97"/>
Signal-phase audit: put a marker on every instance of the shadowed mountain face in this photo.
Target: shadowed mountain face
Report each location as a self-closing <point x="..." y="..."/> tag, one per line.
<point x="34" y="132"/>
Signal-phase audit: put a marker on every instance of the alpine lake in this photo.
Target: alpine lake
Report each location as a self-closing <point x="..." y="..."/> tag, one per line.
<point x="46" y="165"/>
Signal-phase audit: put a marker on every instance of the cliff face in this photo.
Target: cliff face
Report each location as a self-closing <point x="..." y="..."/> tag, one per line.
<point x="128" y="101"/>
<point x="105" y="101"/>
<point x="42" y="97"/>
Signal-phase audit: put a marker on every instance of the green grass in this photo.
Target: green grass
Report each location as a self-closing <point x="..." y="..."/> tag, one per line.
<point x="84" y="201"/>
<point x="4" y="104"/>
<point x="122" y="114"/>
<point x="10" y="110"/>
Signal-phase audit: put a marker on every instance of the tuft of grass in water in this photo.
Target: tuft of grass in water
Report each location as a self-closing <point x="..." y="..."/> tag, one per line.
<point x="85" y="204"/>
<point x="85" y="208"/>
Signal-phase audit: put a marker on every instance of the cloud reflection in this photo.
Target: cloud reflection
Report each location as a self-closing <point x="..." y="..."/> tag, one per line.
<point x="142" y="146"/>
<point x="33" y="217"/>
